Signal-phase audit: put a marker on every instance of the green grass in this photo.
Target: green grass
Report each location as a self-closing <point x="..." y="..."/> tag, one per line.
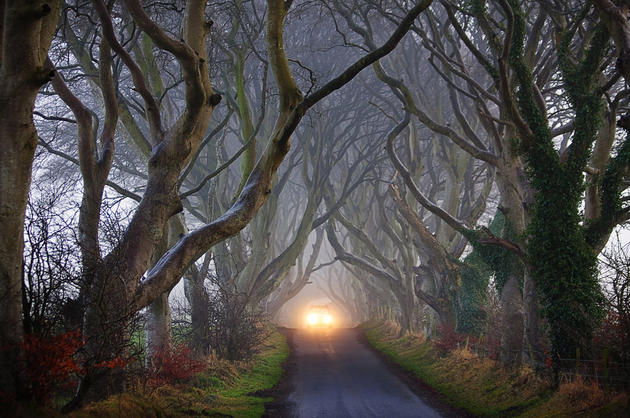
<point x="483" y="388"/>
<point x="236" y="398"/>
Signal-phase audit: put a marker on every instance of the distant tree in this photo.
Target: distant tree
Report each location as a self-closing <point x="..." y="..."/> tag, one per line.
<point x="614" y="334"/>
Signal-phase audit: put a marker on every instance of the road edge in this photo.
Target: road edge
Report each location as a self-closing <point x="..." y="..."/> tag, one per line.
<point x="280" y="406"/>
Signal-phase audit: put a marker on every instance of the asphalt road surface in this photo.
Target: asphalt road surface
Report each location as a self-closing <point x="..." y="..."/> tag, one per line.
<point x="334" y="374"/>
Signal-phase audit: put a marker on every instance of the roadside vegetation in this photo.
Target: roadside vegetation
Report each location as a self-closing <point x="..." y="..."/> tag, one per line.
<point x="219" y="388"/>
<point x="484" y="388"/>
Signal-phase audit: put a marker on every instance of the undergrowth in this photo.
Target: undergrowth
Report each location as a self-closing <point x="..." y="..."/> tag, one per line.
<point x="484" y="388"/>
<point x="224" y="388"/>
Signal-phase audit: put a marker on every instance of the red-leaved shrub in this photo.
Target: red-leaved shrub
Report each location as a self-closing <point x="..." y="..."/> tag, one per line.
<point x="51" y="364"/>
<point x="173" y="365"/>
<point x="448" y="339"/>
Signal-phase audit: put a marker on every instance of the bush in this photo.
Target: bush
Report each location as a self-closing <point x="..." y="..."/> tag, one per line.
<point x="448" y="339"/>
<point x="175" y="364"/>
<point x="236" y="329"/>
<point x="51" y="364"/>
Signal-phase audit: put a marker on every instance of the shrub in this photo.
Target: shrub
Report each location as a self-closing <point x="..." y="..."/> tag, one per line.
<point x="174" y="364"/>
<point x="236" y="329"/>
<point x="448" y="339"/>
<point x="51" y="364"/>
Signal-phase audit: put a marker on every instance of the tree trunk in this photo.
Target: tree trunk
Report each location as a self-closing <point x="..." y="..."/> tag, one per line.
<point x="158" y="326"/>
<point x="199" y="303"/>
<point x="18" y="146"/>
<point x="106" y="336"/>
<point x="407" y="303"/>
<point x="27" y="30"/>
<point x="511" y="323"/>
<point x="532" y="350"/>
<point x="519" y="310"/>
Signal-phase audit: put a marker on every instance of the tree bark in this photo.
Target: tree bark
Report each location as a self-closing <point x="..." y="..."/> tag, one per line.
<point x="532" y="348"/>
<point x="511" y="322"/>
<point x="28" y="28"/>
<point x="158" y="326"/>
<point x="199" y="304"/>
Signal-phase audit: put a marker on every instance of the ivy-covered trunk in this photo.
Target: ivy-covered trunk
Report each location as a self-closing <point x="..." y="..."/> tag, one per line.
<point x="562" y="263"/>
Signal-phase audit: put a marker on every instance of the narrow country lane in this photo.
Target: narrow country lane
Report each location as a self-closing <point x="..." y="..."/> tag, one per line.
<point x="335" y="375"/>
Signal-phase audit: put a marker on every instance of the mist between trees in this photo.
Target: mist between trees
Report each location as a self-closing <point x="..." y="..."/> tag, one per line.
<point x="453" y="166"/>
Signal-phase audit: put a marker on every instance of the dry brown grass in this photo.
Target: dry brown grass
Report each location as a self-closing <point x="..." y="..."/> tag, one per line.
<point x="485" y="388"/>
<point x="463" y="353"/>
<point x="586" y="398"/>
<point x="391" y="329"/>
<point x="227" y="371"/>
<point x="581" y="394"/>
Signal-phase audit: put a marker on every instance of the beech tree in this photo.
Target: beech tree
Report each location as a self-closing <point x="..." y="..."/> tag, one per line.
<point x="27" y="31"/>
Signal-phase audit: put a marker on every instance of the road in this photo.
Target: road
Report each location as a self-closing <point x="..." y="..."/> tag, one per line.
<point x="334" y="374"/>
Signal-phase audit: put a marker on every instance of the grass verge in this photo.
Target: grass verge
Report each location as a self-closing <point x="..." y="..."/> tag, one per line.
<point x="225" y="389"/>
<point x="483" y="388"/>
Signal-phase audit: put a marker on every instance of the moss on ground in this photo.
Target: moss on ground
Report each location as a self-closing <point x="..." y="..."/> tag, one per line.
<point x="483" y="388"/>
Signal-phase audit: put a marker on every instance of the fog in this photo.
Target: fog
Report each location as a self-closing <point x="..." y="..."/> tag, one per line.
<point x="293" y="313"/>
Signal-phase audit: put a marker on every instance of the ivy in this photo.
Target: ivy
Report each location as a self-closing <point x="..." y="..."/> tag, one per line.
<point x="477" y="7"/>
<point x="484" y="261"/>
<point x="563" y="264"/>
<point x="473" y="295"/>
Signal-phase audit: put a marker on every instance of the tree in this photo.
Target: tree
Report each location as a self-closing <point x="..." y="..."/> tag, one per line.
<point x="27" y="30"/>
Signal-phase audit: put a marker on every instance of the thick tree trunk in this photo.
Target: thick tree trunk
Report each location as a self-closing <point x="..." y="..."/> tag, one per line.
<point x="407" y="304"/>
<point x="158" y="321"/>
<point x="106" y="335"/>
<point x="519" y="310"/>
<point x="18" y="146"/>
<point x="406" y="321"/>
<point x="199" y="316"/>
<point x="27" y="30"/>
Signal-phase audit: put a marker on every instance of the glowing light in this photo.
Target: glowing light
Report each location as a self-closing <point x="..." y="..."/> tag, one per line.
<point x="312" y="319"/>
<point x="319" y="317"/>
